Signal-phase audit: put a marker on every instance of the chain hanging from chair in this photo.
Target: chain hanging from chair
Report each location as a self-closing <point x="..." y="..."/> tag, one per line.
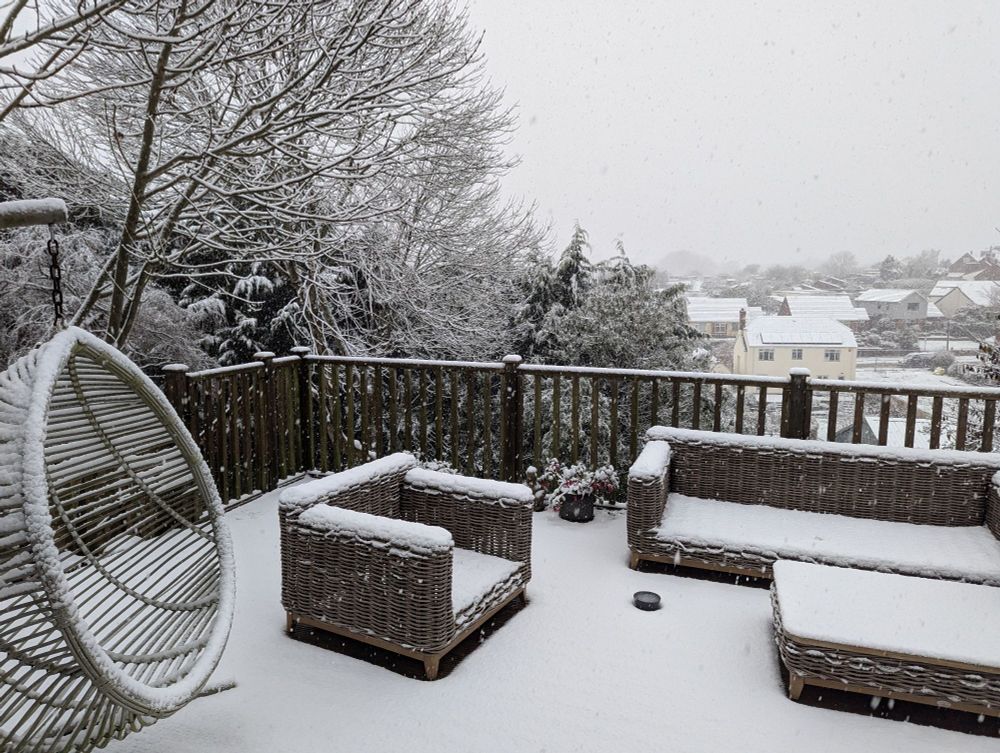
<point x="116" y="571"/>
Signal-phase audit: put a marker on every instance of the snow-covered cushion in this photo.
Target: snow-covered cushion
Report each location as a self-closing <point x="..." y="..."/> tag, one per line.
<point x="476" y="575"/>
<point x="953" y="552"/>
<point x="894" y="613"/>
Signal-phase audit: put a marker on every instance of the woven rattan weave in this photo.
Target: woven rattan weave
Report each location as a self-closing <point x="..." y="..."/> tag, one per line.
<point x="116" y="575"/>
<point x="388" y="592"/>
<point x="930" y="488"/>
<point x="861" y="670"/>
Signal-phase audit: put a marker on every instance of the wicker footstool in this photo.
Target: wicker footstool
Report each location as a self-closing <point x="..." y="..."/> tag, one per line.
<point x="895" y="636"/>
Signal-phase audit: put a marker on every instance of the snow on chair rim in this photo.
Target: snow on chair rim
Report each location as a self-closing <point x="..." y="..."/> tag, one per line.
<point x="116" y="572"/>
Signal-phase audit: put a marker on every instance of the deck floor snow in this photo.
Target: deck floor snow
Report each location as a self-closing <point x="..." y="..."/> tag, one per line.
<point x="579" y="669"/>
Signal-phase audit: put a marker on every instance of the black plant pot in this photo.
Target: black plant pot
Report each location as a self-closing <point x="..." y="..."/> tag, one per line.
<point x="577" y="508"/>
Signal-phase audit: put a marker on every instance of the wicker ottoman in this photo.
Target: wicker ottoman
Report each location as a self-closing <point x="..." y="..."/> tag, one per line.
<point x="895" y="636"/>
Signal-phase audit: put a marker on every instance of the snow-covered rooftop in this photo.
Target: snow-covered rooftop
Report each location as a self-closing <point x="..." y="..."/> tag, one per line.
<point x="980" y="292"/>
<point x="578" y="669"/>
<point x="705" y="309"/>
<point x="884" y="295"/>
<point x="802" y="331"/>
<point x="837" y="307"/>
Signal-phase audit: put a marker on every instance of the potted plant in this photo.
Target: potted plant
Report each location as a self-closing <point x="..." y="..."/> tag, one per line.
<point x="572" y="490"/>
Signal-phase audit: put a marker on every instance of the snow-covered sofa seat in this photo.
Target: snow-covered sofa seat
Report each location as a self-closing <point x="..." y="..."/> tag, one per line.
<point x="403" y="558"/>
<point x="739" y="503"/>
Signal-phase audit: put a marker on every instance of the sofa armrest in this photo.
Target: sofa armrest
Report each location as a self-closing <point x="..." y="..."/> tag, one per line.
<point x="369" y="574"/>
<point x="372" y="488"/>
<point x="993" y="506"/>
<point x="648" y="485"/>
<point x="489" y="517"/>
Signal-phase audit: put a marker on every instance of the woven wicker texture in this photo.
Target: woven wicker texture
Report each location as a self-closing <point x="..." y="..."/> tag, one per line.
<point x="872" y="486"/>
<point x="115" y="589"/>
<point x="387" y="588"/>
<point x="932" y="683"/>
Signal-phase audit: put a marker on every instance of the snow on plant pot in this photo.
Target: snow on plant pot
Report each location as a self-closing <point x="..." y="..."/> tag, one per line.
<point x="572" y="490"/>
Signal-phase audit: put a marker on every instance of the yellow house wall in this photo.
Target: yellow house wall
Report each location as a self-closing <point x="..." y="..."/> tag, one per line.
<point x="812" y="358"/>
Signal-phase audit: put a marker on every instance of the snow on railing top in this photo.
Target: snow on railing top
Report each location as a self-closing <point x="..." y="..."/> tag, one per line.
<point x="946" y="390"/>
<point x="419" y="363"/>
<point x="704" y="376"/>
<point x="667" y="433"/>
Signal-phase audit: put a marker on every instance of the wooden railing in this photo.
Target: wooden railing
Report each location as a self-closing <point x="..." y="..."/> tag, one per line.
<point x="275" y="418"/>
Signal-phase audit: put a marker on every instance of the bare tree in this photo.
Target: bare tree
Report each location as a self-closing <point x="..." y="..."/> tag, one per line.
<point x="252" y="131"/>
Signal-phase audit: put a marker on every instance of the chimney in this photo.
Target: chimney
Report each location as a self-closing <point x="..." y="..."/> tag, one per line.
<point x="743" y="319"/>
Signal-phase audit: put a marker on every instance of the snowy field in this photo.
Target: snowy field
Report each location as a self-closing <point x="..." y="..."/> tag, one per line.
<point x="579" y="669"/>
<point x="908" y="377"/>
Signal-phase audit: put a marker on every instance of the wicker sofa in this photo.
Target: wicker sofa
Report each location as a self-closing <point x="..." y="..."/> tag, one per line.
<point x="403" y="558"/>
<point x="739" y="503"/>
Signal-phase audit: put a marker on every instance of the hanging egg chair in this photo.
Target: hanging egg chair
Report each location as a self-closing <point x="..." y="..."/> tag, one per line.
<point x="116" y="569"/>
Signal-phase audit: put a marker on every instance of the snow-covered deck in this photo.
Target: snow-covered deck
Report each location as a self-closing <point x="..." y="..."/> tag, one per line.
<point x="579" y="669"/>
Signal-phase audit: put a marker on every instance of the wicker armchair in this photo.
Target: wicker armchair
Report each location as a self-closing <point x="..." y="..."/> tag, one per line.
<point x="402" y="558"/>
<point x="738" y="503"/>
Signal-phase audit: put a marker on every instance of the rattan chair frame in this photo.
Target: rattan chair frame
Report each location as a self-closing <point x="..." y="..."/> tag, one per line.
<point x="904" y="677"/>
<point x="386" y="592"/>
<point x="945" y="488"/>
<point x="116" y="574"/>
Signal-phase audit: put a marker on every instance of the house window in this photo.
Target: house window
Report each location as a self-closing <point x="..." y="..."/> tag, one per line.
<point x="765" y="355"/>
<point x="831" y="355"/>
<point x="796" y="354"/>
<point x="915" y="306"/>
<point x="719" y="328"/>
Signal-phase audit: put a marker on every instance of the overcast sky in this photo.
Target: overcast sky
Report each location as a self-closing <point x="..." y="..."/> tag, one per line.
<point x="771" y="132"/>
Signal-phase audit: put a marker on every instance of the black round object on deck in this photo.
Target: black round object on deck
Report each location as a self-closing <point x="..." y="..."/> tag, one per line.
<point x="647" y="601"/>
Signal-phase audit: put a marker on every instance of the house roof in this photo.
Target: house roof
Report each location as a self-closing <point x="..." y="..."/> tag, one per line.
<point x="703" y="309"/>
<point x="800" y="331"/>
<point x="884" y="295"/>
<point x="980" y="292"/>
<point x="933" y="312"/>
<point x="837" y="307"/>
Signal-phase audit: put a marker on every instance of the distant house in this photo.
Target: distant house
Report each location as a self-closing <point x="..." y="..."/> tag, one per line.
<point x="896" y="304"/>
<point x="836" y="307"/>
<point x="771" y="345"/>
<point x="951" y="296"/>
<point x="718" y="317"/>
<point x="970" y="267"/>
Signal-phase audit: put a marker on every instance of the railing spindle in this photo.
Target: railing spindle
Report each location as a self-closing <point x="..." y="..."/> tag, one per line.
<point x="422" y="412"/>
<point x="393" y="411"/>
<point x="937" y="406"/>
<point x="831" y="417"/>
<point x="911" y="421"/>
<point x="613" y="449"/>
<point x="453" y="378"/>
<point x="438" y="413"/>
<point x="740" y="406"/>
<point x="859" y="417"/>
<point x="575" y="419"/>
<point x="963" y="423"/>
<point x="594" y="420"/>
<point x="989" y="419"/>
<point x="883" y="419"/>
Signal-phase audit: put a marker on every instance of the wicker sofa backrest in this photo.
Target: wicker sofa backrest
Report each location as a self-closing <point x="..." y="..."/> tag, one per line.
<point x="927" y="487"/>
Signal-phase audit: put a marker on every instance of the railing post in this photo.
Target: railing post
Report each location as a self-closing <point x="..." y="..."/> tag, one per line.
<point x="798" y="419"/>
<point x="267" y="425"/>
<point x="175" y="387"/>
<point x="511" y="414"/>
<point x="306" y="460"/>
